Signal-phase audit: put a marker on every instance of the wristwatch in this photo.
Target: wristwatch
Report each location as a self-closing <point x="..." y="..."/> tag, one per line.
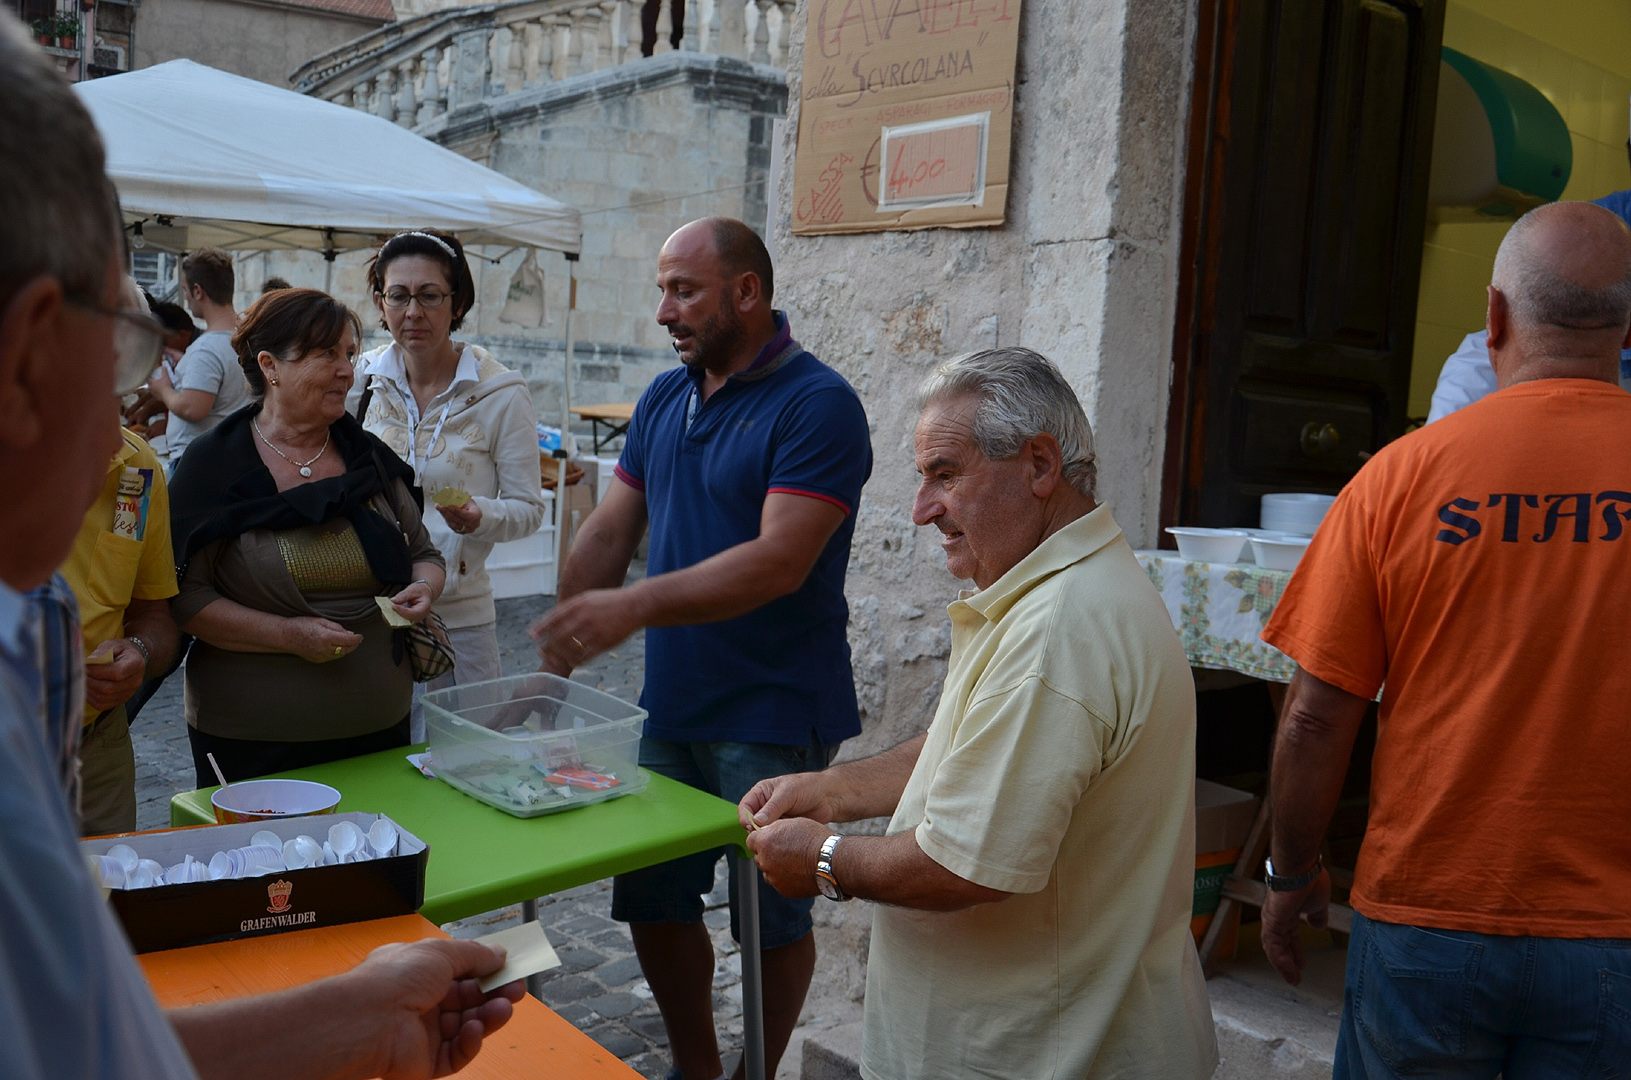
<point x="141" y="647"/>
<point x="1290" y="882"/>
<point x="825" y="881"/>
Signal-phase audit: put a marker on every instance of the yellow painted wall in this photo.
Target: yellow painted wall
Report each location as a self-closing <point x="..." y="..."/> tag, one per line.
<point x="1577" y="53"/>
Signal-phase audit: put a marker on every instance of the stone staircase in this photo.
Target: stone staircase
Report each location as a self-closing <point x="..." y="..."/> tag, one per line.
<point x="422" y="69"/>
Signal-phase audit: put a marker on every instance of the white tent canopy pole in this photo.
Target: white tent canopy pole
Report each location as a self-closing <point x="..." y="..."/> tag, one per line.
<point x="561" y="520"/>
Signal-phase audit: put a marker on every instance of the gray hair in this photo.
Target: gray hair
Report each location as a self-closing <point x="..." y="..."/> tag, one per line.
<point x="61" y="217"/>
<point x="1540" y="294"/>
<point x="1021" y="395"/>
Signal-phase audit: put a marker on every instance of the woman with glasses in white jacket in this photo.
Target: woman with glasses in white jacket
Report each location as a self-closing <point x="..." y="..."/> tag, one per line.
<point x="463" y="422"/>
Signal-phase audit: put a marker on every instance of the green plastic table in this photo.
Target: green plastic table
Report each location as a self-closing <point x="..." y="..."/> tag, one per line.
<point x="482" y="858"/>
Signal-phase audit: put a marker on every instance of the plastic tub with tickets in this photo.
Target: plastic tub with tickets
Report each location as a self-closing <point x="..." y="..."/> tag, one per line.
<point x="534" y="744"/>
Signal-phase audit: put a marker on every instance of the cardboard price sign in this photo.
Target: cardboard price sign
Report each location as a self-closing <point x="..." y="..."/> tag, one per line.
<point x="906" y="114"/>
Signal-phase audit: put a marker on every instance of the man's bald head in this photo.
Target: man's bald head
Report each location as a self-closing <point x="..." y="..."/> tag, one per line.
<point x="1567" y="267"/>
<point x="738" y="248"/>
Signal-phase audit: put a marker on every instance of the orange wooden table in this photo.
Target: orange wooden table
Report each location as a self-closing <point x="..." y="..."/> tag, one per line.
<point x="614" y="417"/>
<point x="535" y="1042"/>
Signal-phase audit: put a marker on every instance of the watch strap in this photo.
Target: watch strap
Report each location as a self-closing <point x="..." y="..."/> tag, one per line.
<point x="141" y="647"/>
<point x="824" y="871"/>
<point x="1290" y="882"/>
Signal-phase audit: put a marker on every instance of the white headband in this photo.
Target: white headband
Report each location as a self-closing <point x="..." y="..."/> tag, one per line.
<point x="437" y="240"/>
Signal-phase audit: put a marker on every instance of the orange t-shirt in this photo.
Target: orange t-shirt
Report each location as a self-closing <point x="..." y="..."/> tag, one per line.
<point x="1481" y="568"/>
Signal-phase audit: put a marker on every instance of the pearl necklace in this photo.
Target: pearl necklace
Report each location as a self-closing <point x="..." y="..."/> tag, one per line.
<point x="303" y="466"/>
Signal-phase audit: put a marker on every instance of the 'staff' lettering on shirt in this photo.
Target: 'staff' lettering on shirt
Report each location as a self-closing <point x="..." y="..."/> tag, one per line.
<point x="1567" y="517"/>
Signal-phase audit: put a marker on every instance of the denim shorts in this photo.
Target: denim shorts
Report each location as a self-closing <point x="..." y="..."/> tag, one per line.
<point x="673" y="891"/>
<point x="1459" y="1005"/>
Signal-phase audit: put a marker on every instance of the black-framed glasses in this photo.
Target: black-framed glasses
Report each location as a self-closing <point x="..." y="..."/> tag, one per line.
<point x="401" y="298"/>
<point x="138" y="344"/>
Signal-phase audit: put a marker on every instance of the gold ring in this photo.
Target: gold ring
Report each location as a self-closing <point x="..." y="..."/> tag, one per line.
<point x="579" y="644"/>
<point x="339" y="650"/>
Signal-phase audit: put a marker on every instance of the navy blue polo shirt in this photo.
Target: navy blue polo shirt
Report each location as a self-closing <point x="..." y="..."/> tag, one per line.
<point x="789" y="423"/>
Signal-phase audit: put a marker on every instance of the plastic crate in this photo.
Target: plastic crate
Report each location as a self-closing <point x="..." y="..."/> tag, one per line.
<point x="534" y="744"/>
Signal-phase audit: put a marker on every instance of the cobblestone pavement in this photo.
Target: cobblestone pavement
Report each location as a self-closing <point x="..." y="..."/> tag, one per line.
<point x="598" y="986"/>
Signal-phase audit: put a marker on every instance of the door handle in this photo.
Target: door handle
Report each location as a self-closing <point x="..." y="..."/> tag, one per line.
<point x="1319" y="438"/>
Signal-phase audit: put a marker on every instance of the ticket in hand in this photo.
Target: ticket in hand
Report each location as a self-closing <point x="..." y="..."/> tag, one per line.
<point x="450" y="496"/>
<point x="392" y="617"/>
<point x="527" y="952"/>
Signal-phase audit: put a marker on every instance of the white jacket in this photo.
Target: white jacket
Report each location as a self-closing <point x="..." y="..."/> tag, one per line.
<point x="485" y="434"/>
<point x="1465" y="377"/>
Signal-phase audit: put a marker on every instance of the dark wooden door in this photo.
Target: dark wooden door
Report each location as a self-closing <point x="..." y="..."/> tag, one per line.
<point x="1304" y="229"/>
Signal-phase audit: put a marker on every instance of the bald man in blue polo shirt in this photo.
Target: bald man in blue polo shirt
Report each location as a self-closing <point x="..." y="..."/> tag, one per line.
<point x="748" y="462"/>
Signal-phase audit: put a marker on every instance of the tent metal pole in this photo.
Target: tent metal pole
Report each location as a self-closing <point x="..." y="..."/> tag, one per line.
<point x="561" y="519"/>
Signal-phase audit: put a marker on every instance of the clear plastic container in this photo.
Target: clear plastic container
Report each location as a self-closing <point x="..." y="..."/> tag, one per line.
<point x="534" y="744"/>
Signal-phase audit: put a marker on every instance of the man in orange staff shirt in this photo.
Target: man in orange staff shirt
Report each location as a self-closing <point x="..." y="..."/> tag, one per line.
<point x="1475" y="572"/>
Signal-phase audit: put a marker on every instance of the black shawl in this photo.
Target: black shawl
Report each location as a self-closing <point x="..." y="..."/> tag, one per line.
<point x="221" y="489"/>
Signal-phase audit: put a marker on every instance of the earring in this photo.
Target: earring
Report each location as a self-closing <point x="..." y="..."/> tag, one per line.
<point x="274" y="382"/>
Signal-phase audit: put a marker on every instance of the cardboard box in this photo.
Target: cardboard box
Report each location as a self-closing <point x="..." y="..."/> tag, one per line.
<point x="1223" y="818"/>
<point x="525" y="567"/>
<point x="174" y="916"/>
<point x="572" y="511"/>
<point x="905" y="115"/>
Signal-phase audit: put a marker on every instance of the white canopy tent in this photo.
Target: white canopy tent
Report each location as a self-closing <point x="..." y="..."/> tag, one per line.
<point x="205" y="158"/>
<point x="202" y="157"/>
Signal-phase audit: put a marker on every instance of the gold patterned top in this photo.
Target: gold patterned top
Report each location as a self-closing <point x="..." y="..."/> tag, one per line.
<point x="326" y="558"/>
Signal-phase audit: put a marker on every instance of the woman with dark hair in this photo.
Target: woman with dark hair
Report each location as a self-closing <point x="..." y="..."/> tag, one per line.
<point x="462" y="421"/>
<point x="288" y="522"/>
<point x="146" y="415"/>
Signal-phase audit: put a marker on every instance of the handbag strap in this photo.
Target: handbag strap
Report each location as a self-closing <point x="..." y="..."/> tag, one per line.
<point x="367" y="396"/>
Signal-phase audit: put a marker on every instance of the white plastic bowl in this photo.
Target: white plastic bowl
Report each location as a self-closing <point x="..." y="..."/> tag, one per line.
<point x="1250" y="555"/>
<point x="262" y="800"/>
<point x="1296" y="512"/>
<point x="1209" y="545"/>
<point x="1283" y="553"/>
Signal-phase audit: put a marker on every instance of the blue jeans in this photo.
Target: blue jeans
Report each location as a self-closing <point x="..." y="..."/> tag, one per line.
<point x="673" y="891"/>
<point x="1457" y="1004"/>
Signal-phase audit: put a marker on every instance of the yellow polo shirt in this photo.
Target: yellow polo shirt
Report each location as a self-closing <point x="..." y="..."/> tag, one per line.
<point x="105" y="570"/>
<point x="1060" y="767"/>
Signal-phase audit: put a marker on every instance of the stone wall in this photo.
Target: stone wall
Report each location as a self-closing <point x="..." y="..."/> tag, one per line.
<point x="1084" y="270"/>
<point x="264" y="41"/>
<point x="640" y="149"/>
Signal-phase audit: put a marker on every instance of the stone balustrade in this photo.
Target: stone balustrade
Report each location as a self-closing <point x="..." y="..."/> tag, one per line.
<point x="417" y="70"/>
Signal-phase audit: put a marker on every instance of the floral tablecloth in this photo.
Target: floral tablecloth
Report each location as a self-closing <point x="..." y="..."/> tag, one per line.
<point x="1219" y="610"/>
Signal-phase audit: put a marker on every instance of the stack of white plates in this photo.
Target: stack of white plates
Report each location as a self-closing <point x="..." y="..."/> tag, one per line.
<point x="1297" y="513"/>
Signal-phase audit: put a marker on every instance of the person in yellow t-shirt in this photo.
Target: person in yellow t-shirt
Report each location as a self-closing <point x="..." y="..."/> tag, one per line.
<point x="1034" y="885"/>
<point x="122" y="572"/>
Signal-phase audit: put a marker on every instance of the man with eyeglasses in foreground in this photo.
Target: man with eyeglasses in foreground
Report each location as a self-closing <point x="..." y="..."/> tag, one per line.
<point x="73" y="1003"/>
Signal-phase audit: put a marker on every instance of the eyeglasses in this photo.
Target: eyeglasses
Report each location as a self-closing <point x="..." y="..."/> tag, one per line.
<point x="401" y="298"/>
<point x="138" y="344"/>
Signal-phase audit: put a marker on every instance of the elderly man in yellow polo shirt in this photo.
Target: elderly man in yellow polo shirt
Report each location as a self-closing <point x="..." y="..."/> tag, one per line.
<point x="122" y="571"/>
<point x="1035" y="882"/>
